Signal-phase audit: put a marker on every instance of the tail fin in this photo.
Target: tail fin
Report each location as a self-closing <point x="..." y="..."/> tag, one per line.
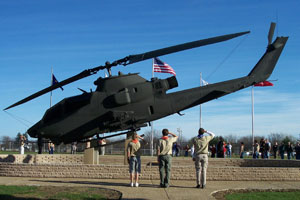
<point x="265" y="66"/>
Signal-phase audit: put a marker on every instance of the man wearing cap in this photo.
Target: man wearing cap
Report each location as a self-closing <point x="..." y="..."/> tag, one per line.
<point x="200" y="157"/>
<point x="164" y="157"/>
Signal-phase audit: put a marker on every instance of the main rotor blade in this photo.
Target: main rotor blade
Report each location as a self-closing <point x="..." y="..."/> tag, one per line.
<point x="130" y="60"/>
<point x="81" y="75"/>
<point x="182" y="47"/>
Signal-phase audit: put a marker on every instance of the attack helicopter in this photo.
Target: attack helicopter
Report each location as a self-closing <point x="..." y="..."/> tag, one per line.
<point x="128" y="102"/>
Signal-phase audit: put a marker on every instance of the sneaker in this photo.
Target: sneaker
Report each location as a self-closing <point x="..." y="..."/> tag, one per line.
<point x="198" y="186"/>
<point x="203" y="186"/>
<point x="131" y="184"/>
<point x="136" y="184"/>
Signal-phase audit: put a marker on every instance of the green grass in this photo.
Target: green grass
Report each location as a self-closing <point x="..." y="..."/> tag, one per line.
<point x="66" y="193"/>
<point x="264" y="196"/>
<point x="10" y="190"/>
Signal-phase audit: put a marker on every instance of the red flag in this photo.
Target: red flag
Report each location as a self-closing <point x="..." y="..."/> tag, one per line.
<point x="263" y="84"/>
<point x="162" y="67"/>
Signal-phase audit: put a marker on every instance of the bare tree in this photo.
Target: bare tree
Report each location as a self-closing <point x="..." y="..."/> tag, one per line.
<point x="6" y="142"/>
<point x="276" y="137"/>
<point x="231" y="138"/>
<point x="156" y="136"/>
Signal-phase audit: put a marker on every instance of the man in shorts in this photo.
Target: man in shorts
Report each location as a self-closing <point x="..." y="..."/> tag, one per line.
<point x="134" y="159"/>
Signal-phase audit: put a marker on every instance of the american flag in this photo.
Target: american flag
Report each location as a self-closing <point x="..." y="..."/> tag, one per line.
<point x="162" y="67"/>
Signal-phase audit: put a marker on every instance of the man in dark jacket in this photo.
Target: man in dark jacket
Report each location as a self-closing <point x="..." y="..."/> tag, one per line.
<point x="297" y="149"/>
<point x="275" y="149"/>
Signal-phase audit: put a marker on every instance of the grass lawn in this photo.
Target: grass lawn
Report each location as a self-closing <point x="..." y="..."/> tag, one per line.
<point x="264" y="196"/>
<point x="54" y="192"/>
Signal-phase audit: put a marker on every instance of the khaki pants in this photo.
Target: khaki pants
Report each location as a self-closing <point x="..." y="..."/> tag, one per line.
<point x="165" y="169"/>
<point x="201" y="164"/>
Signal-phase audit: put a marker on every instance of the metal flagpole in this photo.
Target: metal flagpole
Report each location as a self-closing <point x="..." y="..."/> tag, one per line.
<point x="252" y="100"/>
<point x="51" y="85"/>
<point x="200" y="120"/>
<point x="152" y="122"/>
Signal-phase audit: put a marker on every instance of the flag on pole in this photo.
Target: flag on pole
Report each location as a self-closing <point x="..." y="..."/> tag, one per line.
<point x="55" y="81"/>
<point x="204" y="82"/>
<point x="263" y="84"/>
<point x="162" y="67"/>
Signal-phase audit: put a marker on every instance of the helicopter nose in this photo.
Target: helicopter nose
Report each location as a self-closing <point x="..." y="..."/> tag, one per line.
<point x="33" y="131"/>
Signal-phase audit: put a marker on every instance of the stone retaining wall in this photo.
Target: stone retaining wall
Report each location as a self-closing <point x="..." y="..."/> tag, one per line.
<point x="112" y="167"/>
<point x="119" y="160"/>
<point x="148" y="172"/>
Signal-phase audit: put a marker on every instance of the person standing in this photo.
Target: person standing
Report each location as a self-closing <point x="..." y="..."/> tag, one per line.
<point x="201" y="143"/>
<point x="213" y="151"/>
<point x="242" y="150"/>
<point x="262" y="147"/>
<point x="275" y="149"/>
<point x="267" y="149"/>
<point x="73" y="148"/>
<point x="134" y="159"/>
<point x="229" y="147"/>
<point x="289" y="150"/>
<point x="174" y="149"/>
<point x="192" y="150"/>
<point x="281" y="150"/>
<point x="22" y="143"/>
<point x="297" y="150"/>
<point x="164" y="157"/>
<point x="51" y="147"/>
<point x="256" y="150"/>
<point x="220" y="148"/>
<point x="102" y="142"/>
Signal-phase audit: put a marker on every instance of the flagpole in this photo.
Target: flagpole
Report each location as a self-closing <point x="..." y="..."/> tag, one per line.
<point x="252" y="100"/>
<point x="152" y="121"/>
<point x="200" y="120"/>
<point x="50" y="85"/>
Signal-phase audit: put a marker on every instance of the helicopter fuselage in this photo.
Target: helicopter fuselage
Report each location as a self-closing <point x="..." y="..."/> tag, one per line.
<point x="128" y="102"/>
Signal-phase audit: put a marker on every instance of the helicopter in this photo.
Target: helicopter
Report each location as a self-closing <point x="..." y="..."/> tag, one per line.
<point x="128" y="102"/>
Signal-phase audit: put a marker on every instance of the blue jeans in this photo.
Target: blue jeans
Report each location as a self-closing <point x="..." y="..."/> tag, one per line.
<point x="289" y="154"/>
<point x="255" y="155"/>
<point x="229" y="153"/>
<point x="135" y="164"/>
<point x="242" y="155"/>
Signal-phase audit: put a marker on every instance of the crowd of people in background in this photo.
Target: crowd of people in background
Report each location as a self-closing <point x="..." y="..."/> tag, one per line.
<point x="260" y="149"/>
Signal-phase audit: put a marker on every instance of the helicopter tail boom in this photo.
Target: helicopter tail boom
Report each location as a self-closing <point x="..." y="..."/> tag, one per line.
<point x="262" y="70"/>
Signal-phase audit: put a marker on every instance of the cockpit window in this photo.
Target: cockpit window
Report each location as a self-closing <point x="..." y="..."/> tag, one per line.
<point x="65" y="107"/>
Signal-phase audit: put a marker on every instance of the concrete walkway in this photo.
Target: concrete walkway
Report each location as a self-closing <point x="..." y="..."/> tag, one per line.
<point x="149" y="188"/>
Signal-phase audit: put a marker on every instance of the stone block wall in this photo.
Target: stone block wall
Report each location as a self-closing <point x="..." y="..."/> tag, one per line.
<point x="42" y="158"/>
<point x="148" y="172"/>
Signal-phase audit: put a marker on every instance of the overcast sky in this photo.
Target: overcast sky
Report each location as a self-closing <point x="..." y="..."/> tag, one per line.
<point x="71" y="36"/>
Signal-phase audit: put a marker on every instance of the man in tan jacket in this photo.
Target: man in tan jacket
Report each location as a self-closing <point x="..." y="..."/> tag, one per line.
<point x="200" y="157"/>
<point x="164" y="157"/>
